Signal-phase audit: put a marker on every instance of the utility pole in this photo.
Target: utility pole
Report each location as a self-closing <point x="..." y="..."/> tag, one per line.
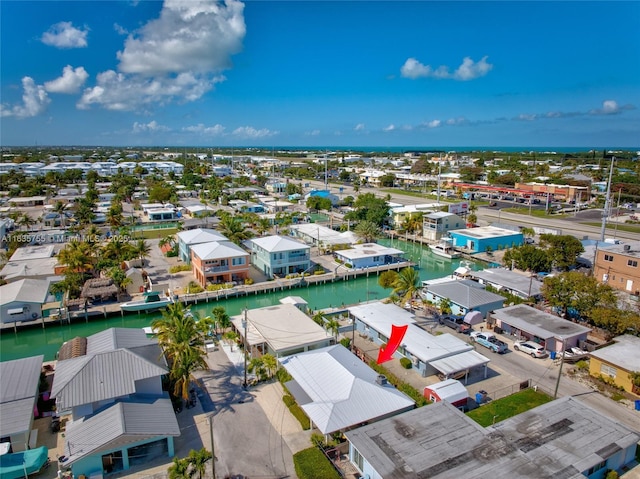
<point x="555" y="393"/>
<point x="244" y="325"/>
<point x="607" y="201"/>
<point x="213" y="453"/>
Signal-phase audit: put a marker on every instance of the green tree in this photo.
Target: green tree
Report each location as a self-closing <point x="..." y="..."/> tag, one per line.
<point x="233" y="229"/>
<point x="367" y="231"/>
<point x="333" y="327"/>
<point x="270" y="363"/>
<point x="221" y="318"/>
<point x="574" y="290"/>
<point x="562" y="249"/>
<point x="183" y="344"/>
<point x="388" y="180"/>
<point x="387" y="279"/>
<point x="616" y="321"/>
<point x="256" y="365"/>
<point x="179" y="469"/>
<point x="318" y="318"/>
<point x="445" y="306"/>
<point x="198" y="461"/>
<point x="528" y="258"/>
<point x="407" y="284"/>
<point x="369" y="207"/>
<point x="318" y="203"/>
<point x="141" y="250"/>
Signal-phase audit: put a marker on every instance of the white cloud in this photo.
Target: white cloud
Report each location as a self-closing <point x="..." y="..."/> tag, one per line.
<point x="527" y="117"/>
<point x="197" y="36"/>
<point x="433" y="124"/>
<point x="389" y="128"/>
<point x="34" y="101"/>
<point x="152" y="126"/>
<point x="116" y="91"/>
<point x="201" y="129"/>
<point x="359" y="127"/>
<point x="457" y="121"/>
<point x="468" y="70"/>
<point x="312" y="133"/>
<point x="176" y="57"/>
<point x="249" y="132"/>
<point x="70" y="82"/>
<point x="610" y="107"/>
<point x="120" y="30"/>
<point x="65" y="35"/>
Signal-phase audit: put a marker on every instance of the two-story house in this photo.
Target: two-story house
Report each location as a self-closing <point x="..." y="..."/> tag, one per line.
<point x="187" y="239"/>
<point x="118" y="414"/>
<point x="279" y="256"/>
<point x="219" y="262"/>
<point x="618" y="267"/>
<point x="437" y="225"/>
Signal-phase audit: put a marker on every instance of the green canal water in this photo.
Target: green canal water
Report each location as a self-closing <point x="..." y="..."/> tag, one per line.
<point x="35" y="340"/>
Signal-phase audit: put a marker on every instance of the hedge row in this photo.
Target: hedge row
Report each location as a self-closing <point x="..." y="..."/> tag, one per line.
<point x="312" y="464"/>
<point x="297" y="411"/>
<point x="406" y="388"/>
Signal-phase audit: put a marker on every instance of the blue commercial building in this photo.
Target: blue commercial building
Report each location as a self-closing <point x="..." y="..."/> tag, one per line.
<point x="476" y="240"/>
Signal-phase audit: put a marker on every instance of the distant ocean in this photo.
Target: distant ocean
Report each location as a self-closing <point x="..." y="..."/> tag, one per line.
<point x="402" y="149"/>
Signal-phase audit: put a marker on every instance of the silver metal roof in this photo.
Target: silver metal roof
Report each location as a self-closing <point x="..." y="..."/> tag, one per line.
<point x="20" y="380"/>
<point x="460" y="362"/>
<point x="539" y="323"/>
<point x="120" y="424"/>
<point x="25" y="290"/>
<point x="133" y="339"/>
<point x="342" y="389"/>
<point x="521" y="283"/>
<point x="100" y="377"/>
<point x="465" y="293"/>
<point x="277" y="243"/>
<point x="562" y="438"/>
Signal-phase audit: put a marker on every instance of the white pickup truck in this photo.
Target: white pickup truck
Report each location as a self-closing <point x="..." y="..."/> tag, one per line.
<point x="489" y="340"/>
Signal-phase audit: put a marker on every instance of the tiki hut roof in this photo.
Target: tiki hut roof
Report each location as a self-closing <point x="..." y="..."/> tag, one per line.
<point x="73" y="348"/>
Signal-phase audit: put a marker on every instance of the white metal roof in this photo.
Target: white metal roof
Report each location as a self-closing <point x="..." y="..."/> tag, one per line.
<point x="276" y="243"/>
<point x="368" y="250"/>
<point x="465" y="293"/>
<point x="450" y="390"/>
<point x="201" y="235"/>
<point x="527" y="285"/>
<point x="218" y="250"/>
<point x="324" y="234"/>
<point x="342" y="389"/>
<point x="20" y="380"/>
<point x="25" y="290"/>
<point x="459" y="362"/>
<point x="282" y="326"/>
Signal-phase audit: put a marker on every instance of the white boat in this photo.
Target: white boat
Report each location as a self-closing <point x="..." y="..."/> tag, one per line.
<point x="445" y="249"/>
<point x="152" y="300"/>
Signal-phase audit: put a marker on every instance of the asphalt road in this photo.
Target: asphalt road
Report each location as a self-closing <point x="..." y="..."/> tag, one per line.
<point x="246" y="443"/>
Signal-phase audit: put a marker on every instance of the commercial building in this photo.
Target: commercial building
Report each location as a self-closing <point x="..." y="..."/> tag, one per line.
<point x="486" y="238"/>
<point x="618" y="267"/>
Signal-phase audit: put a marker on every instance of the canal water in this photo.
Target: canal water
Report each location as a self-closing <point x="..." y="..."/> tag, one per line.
<point x="36" y="340"/>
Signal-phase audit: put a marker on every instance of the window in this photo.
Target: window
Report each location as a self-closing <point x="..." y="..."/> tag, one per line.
<point x="608" y="370"/>
<point x="237" y="261"/>
<point x="595" y="468"/>
<point x="608" y="257"/>
<point x="357" y="459"/>
<point x="633" y="263"/>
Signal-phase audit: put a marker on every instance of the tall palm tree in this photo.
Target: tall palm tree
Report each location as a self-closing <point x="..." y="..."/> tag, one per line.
<point x="407" y="284"/>
<point x="183" y="343"/>
<point x="59" y="208"/>
<point x="270" y="363"/>
<point x="367" y="231"/>
<point x="198" y="460"/>
<point x="233" y="229"/>
<point x="179" y="469"/>
<point x="221" y="318"/>
<point x="26" y="221"/>
<point x="141" y="250"/>
<point x="77" y="255"/>
<point x="333" y="326"/>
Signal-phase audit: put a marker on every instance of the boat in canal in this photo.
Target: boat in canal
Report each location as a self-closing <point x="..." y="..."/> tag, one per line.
<point x="152" y="300"/>
<point x="445" y="249"/>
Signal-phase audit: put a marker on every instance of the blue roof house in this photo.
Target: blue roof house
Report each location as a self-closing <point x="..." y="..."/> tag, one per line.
<point x="323" y="194"/>
<point x="477" y="240"/>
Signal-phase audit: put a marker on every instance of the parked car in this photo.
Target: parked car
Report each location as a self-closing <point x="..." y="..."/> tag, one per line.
<point x="489" y="340"/>
<point x="457" y="323"/>
<point x="529" y="347"/>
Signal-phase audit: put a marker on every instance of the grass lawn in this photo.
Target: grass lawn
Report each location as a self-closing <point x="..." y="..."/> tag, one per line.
<point x="508" y="407"/>
<point x="536" y="213"/>
<point x="153" y="234"/>
<point x="623" y="227"/>
<point x="312" y="464"/>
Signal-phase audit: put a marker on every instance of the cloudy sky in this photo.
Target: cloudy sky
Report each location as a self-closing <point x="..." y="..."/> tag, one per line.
<point x="306" y="73"/>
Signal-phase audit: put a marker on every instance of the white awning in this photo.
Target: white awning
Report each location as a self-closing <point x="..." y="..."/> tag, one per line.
<point x="15" y="311"/>
<point x="459" y="362"/>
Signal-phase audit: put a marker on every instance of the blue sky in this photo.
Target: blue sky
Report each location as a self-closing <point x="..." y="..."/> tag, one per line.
<point x="305" y="73"/>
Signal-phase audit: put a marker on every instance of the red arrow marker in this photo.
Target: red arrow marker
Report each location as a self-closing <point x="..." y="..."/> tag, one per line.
<point x="397" y="333"/>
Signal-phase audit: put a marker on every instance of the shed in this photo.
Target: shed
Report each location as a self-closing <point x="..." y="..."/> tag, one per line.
<point x="450" y="390"/>
<point x="473" y="318"/>
<point x="137" y="280"/>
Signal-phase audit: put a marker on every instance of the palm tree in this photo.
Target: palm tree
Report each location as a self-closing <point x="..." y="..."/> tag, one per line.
<point x="179" y="469"/>
<point x="221" y="318"/>
<point x="262" y="226"/>
<point x="367" y="231"/>
<point x="406" y="284"/>
<point x="183" y="343"/>
<point x="141" y="250"/>
<point x="318" y="318"/>
<point x="77" y="256"/>
<point x="198" y="461"/>
<point x="333" y="326"/>
<point x="233" y="229"/>
<point x="271" y="363"/>
<point x="26" y="221"/>
<point x="256" y="365"/>
<point x="59" y="208"/>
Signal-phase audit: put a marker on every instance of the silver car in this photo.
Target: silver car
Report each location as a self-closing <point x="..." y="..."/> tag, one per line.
<point x="529" y="347"/>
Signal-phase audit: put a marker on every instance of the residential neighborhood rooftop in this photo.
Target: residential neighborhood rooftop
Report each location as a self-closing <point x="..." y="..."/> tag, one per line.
<point x="540" y="323"/>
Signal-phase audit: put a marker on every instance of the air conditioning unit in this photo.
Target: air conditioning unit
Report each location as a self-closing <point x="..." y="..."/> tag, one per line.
<point x="381" y="379"/>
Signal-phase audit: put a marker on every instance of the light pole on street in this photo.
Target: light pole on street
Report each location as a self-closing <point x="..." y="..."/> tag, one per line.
<point x="213" y="452"/>
<point x="244" y="326"/>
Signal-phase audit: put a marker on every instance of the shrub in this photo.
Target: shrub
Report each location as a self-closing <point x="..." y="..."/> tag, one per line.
<point x="348" y="265"/>
<point x="179" y="268"/>
<point x="194" y="287"/>
<point x="248" y="281"/>
<point x="582" y="365"/>
<point x="297" y="411"/>
<point x="346" y="342"/>
<point x="283" y="376"/>
<point x="405" y="363"/>
<point x="318" y="272"/>
<point x="312" y="463"/>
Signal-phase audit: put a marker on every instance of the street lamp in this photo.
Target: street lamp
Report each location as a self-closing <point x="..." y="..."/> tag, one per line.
<point x="244" y="326"/>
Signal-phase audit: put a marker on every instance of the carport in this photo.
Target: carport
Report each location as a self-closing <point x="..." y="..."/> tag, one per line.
<point x="466" y="361"/>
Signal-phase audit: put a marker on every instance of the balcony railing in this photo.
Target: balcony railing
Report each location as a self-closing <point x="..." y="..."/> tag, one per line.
<point x="216" y="269"/>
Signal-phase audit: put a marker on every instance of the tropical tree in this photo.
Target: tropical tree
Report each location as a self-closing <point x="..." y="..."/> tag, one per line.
<point x="367" y="231"/>
<point x="77" y="256"/>
<point x="183" y="343"/>
<point x="581" y="293"/>
<point x="234" y="229"/>
<point x="445" y="306"/>
<point x="26" y="221"/>
<point x="179" y="469"/>
<point x="407" y="284"/>
<point x="562" y="249"/>
<point x="221" y="318"/>
<point x="141" y="250"/>
<point x="120" y="279"/>
<point x="59" y="209"/>
<point x="256" y="365"/>
<point x="270" y="363"/>
<point x="231" y="337"/>
<point x="198" y="461"/>
<point x="333" y="326"/>
<point x="528" y="258"/>
<point x="387" y="278"/>
<point x="318" y="318"/>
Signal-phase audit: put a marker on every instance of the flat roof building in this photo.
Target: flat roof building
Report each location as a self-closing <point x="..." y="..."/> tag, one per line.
<point x="521" y="285"/>
<point x="618" y="361"/>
